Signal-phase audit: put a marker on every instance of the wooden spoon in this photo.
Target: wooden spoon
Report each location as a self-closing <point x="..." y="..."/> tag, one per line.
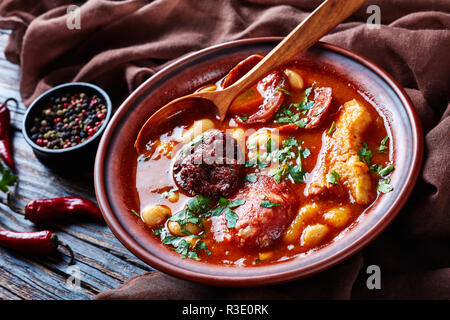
<point x="328" y="15"/>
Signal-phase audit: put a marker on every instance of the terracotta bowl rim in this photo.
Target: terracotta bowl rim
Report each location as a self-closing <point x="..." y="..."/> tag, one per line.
<point x="294" y="274"/>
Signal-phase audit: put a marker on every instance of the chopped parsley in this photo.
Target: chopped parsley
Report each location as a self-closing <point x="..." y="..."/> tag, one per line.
<point x="333" y="177"/>
<point x="269" y="204"/>
<point x="385" y="171"/>
<point x="181" y="245"/>
<point x="231" y="217"/>
<point x="365" y="154"/>
<point x="195" y="211"/>
<point x="297" y="174"/>
<point x="279" y="173"/>
<point x="251" y="177"/>
<point x="225" y="205"/>
<point x="285" y="115"/>
<point x="291" y="149"/>
<point x="135" y="213"/>
<point x="384" y="185"/>
<point x="380" y="170"/>
<point x="7" y="180"/>
<point x="306" y="153"/>
<point x="243" y="117"/>
<point x="283" y="90"/>
<point x="332" y="128"/>
<point x="383" y="147"/>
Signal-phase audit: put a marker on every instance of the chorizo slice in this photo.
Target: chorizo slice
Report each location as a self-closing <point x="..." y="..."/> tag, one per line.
<point x="271" y="93"/>
<point x="240" y="70"/>
<point x="320" y="108"/>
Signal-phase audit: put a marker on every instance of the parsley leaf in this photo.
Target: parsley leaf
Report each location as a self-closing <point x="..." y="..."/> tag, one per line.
<point x="135" y="213"/>
<point x="383" y="147"/>
<point x="283" y="90"/>
<point x="236" y="203"/>
<point x="384" y="185"/>
<point x="279" y="173"/>
<point x="285" y="115"/>
<point x="243" y="117"/>
<point x="269" y="204"/>
<point x="380" y="170"/>
<point x="251" y="177"/>
<point x="333" y="177"/>
<point x="297" y="174"/>
<point x="7" y="180"/>
<point x="385" y="171"/>
<point x="365" y="154"/>
<point x="306" y="153"/>
<point x="231" y="217"/>
<point x="332" y="128"/>
<point x="198" y="204"/>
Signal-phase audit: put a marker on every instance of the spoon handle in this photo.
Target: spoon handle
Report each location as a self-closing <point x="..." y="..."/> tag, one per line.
<point x="327" y="16"/>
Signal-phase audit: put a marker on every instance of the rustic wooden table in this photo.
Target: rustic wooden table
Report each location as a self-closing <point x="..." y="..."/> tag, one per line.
<point x="102" y="262"/>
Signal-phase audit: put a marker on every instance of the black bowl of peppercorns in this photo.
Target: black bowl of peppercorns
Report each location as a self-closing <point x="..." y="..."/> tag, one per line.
<point x="65" y="123"/>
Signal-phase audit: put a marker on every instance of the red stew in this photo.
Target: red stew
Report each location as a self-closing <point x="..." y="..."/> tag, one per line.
<point x="300" y="157"/>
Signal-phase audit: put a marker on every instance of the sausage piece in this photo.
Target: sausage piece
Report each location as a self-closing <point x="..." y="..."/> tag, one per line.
<point x="257" y="225"/>
<point x="262" y="101"/>
<point x="322" y="102"/>
<point x="240" y="70"/>
<point x="212" y="165"/>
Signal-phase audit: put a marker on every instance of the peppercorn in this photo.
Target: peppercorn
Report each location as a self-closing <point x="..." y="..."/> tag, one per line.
<point x="68" y="120"/>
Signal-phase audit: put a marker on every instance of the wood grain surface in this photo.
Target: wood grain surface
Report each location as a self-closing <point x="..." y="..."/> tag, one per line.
<point x="101" y="260"/>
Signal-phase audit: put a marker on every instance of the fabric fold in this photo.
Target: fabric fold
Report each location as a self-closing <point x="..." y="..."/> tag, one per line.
<point x="122" y="43"/>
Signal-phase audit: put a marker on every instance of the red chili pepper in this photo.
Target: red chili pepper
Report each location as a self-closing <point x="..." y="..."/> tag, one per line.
<point x="5" y="139"/>
<point x="43" y="210"/>
<point x="33" y="243"/>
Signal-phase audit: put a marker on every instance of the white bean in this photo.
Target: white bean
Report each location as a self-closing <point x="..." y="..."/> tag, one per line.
<point x="153" y="216"/>
<point x="295" y="80"/>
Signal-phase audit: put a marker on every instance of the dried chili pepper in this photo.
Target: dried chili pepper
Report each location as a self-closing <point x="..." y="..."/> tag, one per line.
<point x="46" y="210"/>
<point x="33" y="243"/>
<point x="5" y="138"/>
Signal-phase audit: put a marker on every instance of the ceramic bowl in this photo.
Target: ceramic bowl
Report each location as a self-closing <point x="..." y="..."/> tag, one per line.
<point x="115" y="165"/>
<point x="77" y="157"/>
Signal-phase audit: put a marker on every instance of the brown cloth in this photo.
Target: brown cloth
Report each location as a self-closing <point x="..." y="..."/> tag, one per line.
<point x="122" y="43"/>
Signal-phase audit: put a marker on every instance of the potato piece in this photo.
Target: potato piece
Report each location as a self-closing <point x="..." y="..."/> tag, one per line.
<point x="292" y="234"/>
<point x="340" y="153"/>
<point x="338" y="217"/>
<point x="265" y="255"/>
<point x="153" y="216"/>
<point x="197" y="128"/>
<point x="295" y="80"/>
<point x="313" y="235"/>
<point x="175" y="228"/>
